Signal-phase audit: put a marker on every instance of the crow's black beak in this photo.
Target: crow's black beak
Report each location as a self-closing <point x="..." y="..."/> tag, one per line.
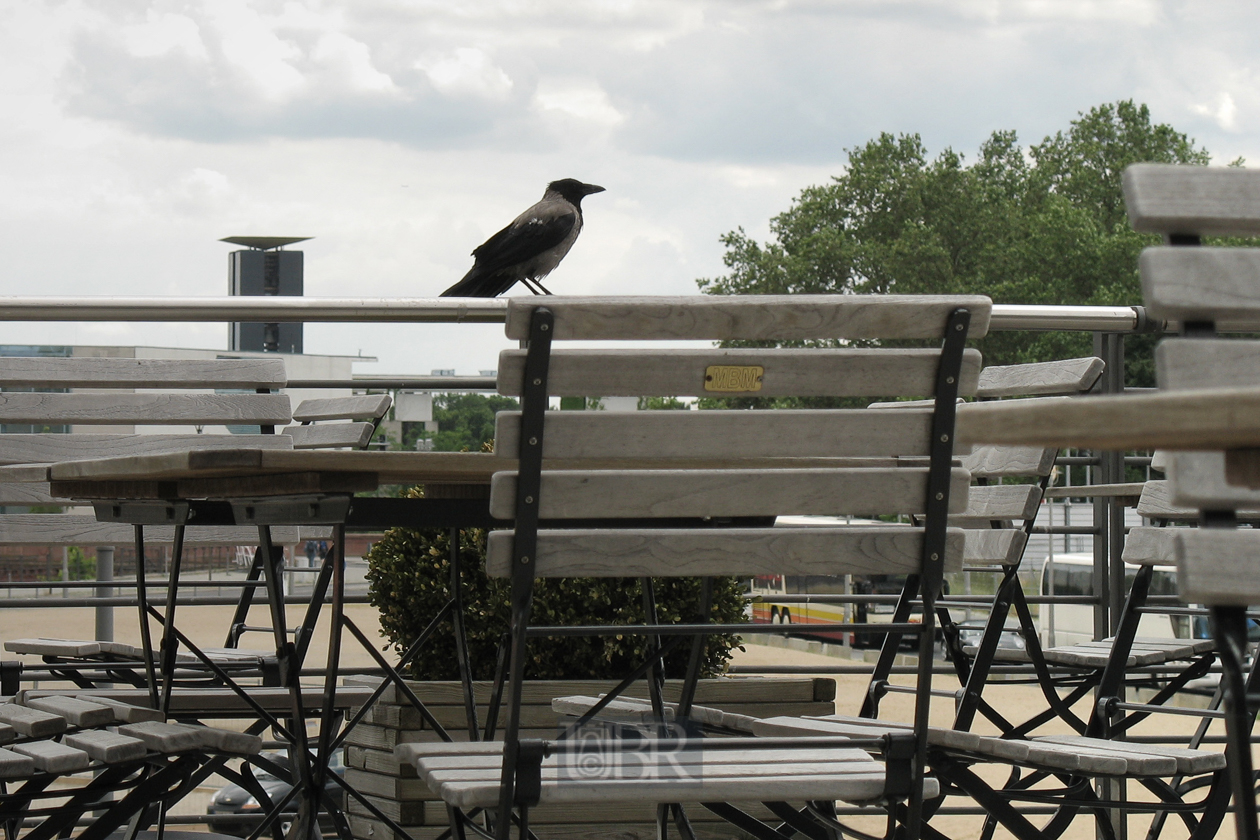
<point x="588" y="189"/>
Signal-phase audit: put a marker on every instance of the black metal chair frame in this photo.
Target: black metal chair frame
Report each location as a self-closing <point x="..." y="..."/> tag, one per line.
<point x="517" y="764"/>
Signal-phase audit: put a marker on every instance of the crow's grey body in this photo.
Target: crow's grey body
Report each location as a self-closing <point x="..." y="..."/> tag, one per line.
<point x="529" y="248"/>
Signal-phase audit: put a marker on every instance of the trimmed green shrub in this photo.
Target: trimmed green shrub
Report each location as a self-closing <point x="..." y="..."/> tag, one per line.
<point x="409" y="574"/>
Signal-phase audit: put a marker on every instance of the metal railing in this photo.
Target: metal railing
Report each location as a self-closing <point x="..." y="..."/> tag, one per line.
<point x="1109" y="325"/>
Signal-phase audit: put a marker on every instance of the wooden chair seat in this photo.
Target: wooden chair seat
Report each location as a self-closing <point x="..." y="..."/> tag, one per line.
<point x="1145" y="651"/>
<point x="467" y="776"/>
<point x="103" y="651"/>
<point x="1064" y="753"/>
<point x="60" y="734"/>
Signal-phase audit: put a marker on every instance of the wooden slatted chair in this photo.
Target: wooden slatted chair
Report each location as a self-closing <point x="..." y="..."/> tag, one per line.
<point x="997" y="522"/>
<point x="63" y="757"/>
<point x="719" y="466"/>
<point x="1209" y="393"/>
<point x="174" y="394"/>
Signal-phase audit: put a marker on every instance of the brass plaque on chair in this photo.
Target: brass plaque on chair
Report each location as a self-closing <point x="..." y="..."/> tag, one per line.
<point x="733" y="379"/>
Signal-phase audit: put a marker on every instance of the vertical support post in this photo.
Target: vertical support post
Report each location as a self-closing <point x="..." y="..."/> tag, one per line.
<point x="104" y="574"/>
<point x="935" y="522"/>
<point x="525" y="541"/>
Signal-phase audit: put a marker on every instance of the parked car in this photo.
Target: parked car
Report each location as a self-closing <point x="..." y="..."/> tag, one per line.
<point x="234" y="799"/>
<point x="971" y="632"/>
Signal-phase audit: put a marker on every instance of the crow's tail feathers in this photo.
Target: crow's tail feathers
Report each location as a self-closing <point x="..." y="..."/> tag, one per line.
<point x="480" y="284"/>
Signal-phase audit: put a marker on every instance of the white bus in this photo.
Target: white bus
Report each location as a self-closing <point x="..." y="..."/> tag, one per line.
<point x="1073" y="574"/>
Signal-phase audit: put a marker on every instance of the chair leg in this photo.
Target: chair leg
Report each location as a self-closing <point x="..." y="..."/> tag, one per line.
<point x="1229" y="626"/>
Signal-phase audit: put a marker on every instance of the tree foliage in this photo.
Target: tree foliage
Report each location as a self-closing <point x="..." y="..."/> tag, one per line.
<point x="466" y="421"/>
<point x="1042" y="225"/>
<point x="409" y="582"/>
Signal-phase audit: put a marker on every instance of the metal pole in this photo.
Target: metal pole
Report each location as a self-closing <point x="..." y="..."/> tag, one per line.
<point x="104" y="573"/>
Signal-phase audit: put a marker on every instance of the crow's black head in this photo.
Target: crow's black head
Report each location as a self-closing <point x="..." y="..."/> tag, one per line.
<point x="573" y="190"/>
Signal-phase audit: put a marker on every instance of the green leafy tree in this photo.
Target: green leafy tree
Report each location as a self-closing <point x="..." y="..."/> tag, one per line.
<point x="1042" y="225"/>
<point x="466" y="421"/>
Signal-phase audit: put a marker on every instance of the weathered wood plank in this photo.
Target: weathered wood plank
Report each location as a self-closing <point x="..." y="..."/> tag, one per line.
<point x="1150" y="547"/>
<point x="76" y="712"/>
<point x="855" y="727"/>
<point x="49" y="448"/>
<point x="710" y="786"/>
<point x="32" y="722"/>
<point x="818" y="433"/>
<point x="391" y="467"/>
<point x="1206" y="200"/>
<point x="145" y="409"/>
<point x="1201" y="284"/>
<point x="366" y="407"/>
<point x="1208" y="480"/>
<point x="331" y="435"/>
<point x="109" y="747"/>
<point x="177" y="737"/>
<point x="214" y="701"/>
<point x="581" y="494"/>
<point x="22" y="493"/>
<point x="53" y="757"/>
<point x="740" y="689"/>
<point x="1002" y="501"/>
<point x="128" y="712"/>
<point x="1003" y="461"/>
<point x="1198" y="363"/>
<point x="15" y="766"/>
<point x="725" y="551"/>
<point x="1218" y="565"/>
<point x="85" y="372"/>
<point x="845" y="372"/>
<point x="402" y="720"/>
<point x="1176" y="420"/>
<point x="82" y="530"/>
<point x="1188" y="761"/>
<point x="759" y="317"/>
<point x="1001" y="546"/>
<point x="1067" y="376"/>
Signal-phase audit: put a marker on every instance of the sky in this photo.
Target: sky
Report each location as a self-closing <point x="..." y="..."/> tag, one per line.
<point x="399" y="134"/>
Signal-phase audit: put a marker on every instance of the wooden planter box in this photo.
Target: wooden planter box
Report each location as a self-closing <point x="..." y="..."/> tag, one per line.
<point x="395" y="790"/>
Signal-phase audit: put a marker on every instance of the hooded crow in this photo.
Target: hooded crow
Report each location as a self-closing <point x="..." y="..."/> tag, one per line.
<point x="530" y="247"/>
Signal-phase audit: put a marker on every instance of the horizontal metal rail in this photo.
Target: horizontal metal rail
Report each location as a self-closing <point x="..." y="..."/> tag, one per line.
<point x="269" y="309"/>
<point x="403" y="383"/>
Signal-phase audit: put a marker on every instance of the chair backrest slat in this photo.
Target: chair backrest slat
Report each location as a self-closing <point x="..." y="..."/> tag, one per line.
<point x="1067" y="376"/>
<point x="48" y="448"/>
<point x="144" y="408"/>
<point x="87" y="372"/>
<point x="1178" y="199"/>
<point x="819" y="433"/>
<point x="1202" y="284"/>
<point x="579" y="494"/>
<point x="724" y="551"/>
<point x="366" y="407"/>
<point x="331" y="435"/>
<point x="1002" y="461"/>
<point x="763" y="373"/>
<point x="753" y="317"/>
<point x="1198" y="363"/>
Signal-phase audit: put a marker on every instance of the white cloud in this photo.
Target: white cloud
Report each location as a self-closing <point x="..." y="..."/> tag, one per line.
<point x="581" y="99"/>
<point x="466" y="71"/>
<point x="163" y="32"/>
<point x="1222" y="111"/>
<point x="351" y="61"/>
<point x="141" y="132"/>
<point x="251" y="46"/>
